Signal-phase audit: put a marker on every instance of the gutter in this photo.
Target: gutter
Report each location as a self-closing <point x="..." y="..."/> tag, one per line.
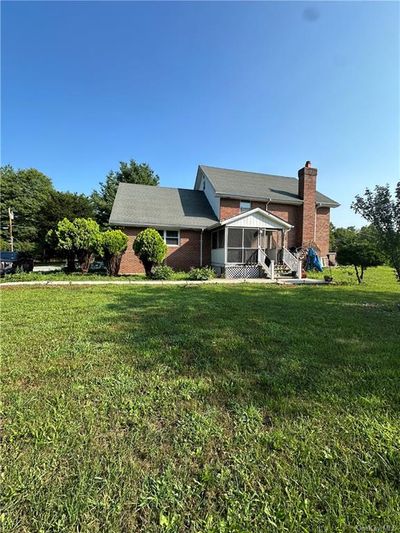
<point x="157" y="225"/>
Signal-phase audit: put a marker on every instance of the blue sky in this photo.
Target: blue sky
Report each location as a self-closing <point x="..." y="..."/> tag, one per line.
<point x="257" y="86"/>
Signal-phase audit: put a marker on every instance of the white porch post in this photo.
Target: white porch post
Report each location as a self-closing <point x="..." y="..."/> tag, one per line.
<point x="299" y="268"/>
<point x="225" y="245"/>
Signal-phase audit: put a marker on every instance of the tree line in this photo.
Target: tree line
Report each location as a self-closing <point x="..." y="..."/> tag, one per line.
<point x="377" y="243"/>
<point x="38" y="206"/>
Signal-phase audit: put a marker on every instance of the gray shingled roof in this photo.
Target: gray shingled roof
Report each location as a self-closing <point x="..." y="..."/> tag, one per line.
<point x="254" y="186"/>
<point x="146" y="205"/>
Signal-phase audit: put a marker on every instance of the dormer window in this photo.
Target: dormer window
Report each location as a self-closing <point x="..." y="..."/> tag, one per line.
<point x="244" y="206"/>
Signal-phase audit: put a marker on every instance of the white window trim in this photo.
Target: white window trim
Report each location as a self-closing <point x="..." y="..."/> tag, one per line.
<point x="164" y="236"/>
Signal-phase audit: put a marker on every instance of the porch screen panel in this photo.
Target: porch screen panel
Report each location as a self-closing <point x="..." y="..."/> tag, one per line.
<point x="235" y="245"/>
<point x="250" y="238"/>
<point x="250" y="245"/>
<point x="235" y="238"/>
<point x="242" y="245"/>
<point x="235" y="255"/>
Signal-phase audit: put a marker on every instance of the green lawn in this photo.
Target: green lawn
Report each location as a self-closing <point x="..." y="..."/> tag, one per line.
<point x="240" y="408"/>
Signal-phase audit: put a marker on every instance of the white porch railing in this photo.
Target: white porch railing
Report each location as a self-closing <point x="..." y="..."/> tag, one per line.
<point x="268" y="269"/>
<point x="292" y="262"/>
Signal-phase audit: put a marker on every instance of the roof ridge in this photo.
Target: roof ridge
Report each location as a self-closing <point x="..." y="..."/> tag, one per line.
<point x="158" y="187"/>
<point x="249" y="172"/>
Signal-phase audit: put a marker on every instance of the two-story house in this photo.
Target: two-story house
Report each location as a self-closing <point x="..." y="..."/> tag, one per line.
<point x="243" y="224"/>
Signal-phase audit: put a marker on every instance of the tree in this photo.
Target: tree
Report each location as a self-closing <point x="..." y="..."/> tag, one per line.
<point x="60" y="205"/>
<point x="383" y="212"/>
<point x="25" y="191"/>
<point x="114" y="243"/>
<point x="360" y="253"/>
<point x="131" y="172"/>
<point x="151" y="249"/>
<point x="79" y="238"/>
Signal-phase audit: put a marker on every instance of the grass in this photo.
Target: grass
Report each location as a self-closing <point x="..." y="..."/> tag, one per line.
<point x="78" y="276"/>
<point x="221" y="408"/>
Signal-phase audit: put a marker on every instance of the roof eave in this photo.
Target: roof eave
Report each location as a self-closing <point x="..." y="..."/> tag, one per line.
<point x="258" y="198"/>
<point x="158" y="225"/>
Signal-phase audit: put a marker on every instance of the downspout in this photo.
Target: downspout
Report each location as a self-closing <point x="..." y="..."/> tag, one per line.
<point x="201" y="247"/>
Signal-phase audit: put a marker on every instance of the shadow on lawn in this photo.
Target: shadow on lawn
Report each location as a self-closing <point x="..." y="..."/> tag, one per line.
<point x="257" y="344"/>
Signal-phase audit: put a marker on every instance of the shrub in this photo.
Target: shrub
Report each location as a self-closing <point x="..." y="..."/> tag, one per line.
<point x="359" y="254"/>
<point x="201" y="274"/>
<point x="114" y="243"/>
<point x="80" y="238"/>
<point x="151" y="249"/>
<point x="162" y="272"/>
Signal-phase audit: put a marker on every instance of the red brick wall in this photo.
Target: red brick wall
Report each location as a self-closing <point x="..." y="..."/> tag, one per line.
<point x="322" y="230"/>
<point x="291" y="214"/>
<point x="181" y="257"/>
<point x="228" y="208"/>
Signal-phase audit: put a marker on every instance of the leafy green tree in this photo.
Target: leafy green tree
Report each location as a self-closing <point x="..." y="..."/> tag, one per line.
<point x="132" y="172"/>
<point x="79" y="238"/>
<point x="338" y="235"/>
<point x="114" y="243"/>
<point x="383" y="212"/>
<point x="25" y="191"/>
<point x="151" y="249"/>
<point x="60" y="205"/>
<point x="360" y="253"/>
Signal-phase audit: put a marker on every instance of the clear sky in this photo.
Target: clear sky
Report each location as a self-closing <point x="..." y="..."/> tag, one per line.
<point x="258" y="86"/>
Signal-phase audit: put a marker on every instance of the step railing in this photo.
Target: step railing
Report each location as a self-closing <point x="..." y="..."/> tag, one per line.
<point x="268" y="269"/>
<point x="292" y="262"/>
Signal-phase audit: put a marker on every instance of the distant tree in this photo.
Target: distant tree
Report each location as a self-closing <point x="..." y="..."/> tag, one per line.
<point x="79" y="238"/>
<point x="338" y="235"/>
<point x="151" y="249"/>
<point x="60" y="205"/>
<point x="132" y="172"/>
<point x="25" y="191"/>
<point x="360" y="253"/>
<point x="383" y="212"/>
<point x="114" y="243"/>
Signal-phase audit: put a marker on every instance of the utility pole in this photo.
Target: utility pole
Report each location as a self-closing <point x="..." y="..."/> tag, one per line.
<point x="11" y="219"/>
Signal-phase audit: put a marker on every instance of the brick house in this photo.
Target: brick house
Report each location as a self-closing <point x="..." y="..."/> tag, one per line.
<point x="243" y="224"/>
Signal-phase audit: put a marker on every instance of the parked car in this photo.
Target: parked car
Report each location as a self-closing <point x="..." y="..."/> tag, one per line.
<point x="97" y="267"/>
<point x="11" y="262"/>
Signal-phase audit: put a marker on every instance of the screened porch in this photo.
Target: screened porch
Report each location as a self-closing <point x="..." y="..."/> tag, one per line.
<point x="242" y="251"/>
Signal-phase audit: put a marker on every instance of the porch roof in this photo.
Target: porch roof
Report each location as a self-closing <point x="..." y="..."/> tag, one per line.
<point x="255" y="218"/>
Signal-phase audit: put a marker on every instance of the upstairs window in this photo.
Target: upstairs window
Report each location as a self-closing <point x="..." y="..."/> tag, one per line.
<point x="244" y="206"/>
<point x="171" y="238"/>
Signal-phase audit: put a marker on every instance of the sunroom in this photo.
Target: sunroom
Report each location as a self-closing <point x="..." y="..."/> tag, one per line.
<point x="251" y="245"/>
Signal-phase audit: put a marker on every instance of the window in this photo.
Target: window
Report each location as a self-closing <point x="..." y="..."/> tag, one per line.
<point x="244" y="206"/>
<point x="171" y="238"/>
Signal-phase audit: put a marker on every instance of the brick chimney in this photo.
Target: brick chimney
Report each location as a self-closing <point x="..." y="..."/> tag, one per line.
<point x="307" y="189"/>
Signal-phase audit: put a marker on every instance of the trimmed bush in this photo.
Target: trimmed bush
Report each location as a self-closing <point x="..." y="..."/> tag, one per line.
<point x="151" y="249"/>
<point x="114" y="243"/>
<point x="162" y="272"/>
<point x="80" y="237"/>
<point x="201" y="274"/>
